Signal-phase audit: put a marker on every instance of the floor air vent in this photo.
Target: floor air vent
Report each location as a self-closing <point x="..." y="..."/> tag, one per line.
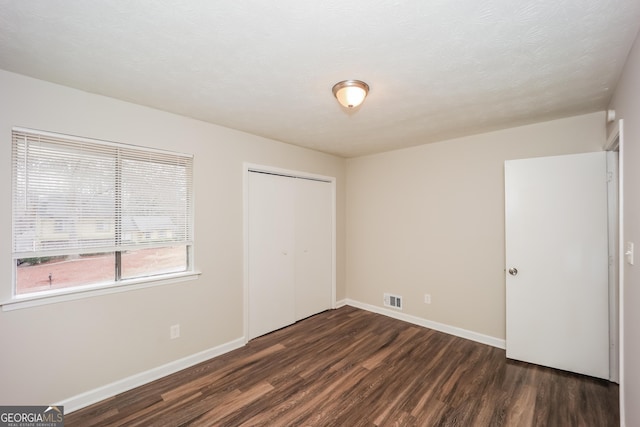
<point x="394" y="301"/>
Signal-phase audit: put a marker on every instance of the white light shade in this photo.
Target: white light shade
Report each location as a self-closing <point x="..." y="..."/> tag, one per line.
<point x="350" y="93"/>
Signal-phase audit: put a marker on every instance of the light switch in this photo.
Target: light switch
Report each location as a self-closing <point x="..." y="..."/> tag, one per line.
<point x="628" y="253"/>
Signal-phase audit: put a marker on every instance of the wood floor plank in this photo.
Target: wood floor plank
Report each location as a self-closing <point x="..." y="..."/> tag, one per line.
<point x="349" y="367"/>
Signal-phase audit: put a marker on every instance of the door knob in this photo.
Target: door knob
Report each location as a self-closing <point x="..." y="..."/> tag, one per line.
<point x="513" y="271"/>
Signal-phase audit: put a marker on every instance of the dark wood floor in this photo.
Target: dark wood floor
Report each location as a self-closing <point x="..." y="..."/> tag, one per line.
<point x="349" y="367"/>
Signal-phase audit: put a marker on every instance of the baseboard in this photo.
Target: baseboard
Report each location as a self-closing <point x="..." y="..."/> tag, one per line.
<point x="101" y="393"/>
<point x="96" y="395"/>
<point x="451" y="330"/>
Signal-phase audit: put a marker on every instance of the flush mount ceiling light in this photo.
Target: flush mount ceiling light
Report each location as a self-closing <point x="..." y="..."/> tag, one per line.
<point x="350" y="93"/>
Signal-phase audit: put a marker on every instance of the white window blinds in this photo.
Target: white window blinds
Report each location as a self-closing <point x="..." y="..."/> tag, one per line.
<point x="74" y="195"/>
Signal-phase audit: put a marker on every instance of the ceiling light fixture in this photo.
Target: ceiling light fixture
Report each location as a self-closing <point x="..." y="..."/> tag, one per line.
<point x="350" y="93"/>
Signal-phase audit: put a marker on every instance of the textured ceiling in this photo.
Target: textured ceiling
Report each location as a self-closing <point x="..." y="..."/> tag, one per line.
<point x="437" y="69"/>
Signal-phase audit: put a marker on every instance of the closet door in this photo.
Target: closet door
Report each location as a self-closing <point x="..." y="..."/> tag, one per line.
<point x="271" y="252"/>
<point x="314" y="247"/>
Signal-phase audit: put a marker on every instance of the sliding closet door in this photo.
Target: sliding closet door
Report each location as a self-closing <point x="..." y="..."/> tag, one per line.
<point x="314" y="247"/>
<point x="290" y="250"/>
<point x="271" y="252"/>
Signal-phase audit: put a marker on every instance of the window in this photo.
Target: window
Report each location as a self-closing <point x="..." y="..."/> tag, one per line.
<point x="92" y="213"/>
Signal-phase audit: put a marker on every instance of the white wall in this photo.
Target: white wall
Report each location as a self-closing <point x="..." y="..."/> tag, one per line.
<point x="430" y="219"/>
<point x="54" y="352"/>
<point x="626" y="102"/>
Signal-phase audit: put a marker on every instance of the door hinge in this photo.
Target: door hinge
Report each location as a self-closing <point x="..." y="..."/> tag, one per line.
<point x="609" y="176"/>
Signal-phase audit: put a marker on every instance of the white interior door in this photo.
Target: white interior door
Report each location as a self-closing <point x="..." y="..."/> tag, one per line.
<point x="556" y="239"/>
<point x="613" y="231"/>
<point x="313" y="247"/>
<point x="271" y="252"/>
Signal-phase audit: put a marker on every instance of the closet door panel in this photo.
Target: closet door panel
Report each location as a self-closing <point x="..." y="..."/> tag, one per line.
<point x="271" y="253"/>
<point x="314" y="247"/>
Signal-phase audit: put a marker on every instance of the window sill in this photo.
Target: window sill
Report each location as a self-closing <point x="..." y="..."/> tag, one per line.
<point x="62" y="295"/>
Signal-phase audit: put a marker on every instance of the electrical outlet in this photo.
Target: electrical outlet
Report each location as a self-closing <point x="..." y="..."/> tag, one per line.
<point x="427" y="298"/>
<point x="174" y="332"/>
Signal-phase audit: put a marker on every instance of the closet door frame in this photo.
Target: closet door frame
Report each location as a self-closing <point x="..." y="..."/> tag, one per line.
<point x="251" y="168"/>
